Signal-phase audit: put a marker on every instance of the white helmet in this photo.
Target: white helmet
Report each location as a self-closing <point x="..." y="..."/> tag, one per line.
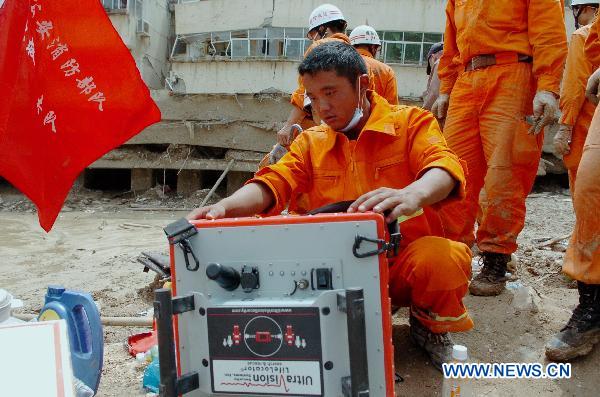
<point x="323" y="14"/>
<point x="583" y="2"/>
<point x="364" y="34"/>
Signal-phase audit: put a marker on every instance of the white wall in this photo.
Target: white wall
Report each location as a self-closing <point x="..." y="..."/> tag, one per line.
<point x="569" y="21"/>
<point x="233" y="77"/>
<point x="411" y="80"/>
<point x="236" y="77"/>
<point x="150" y="53"/>
<point x="222" y="15"/>
<point x="400" y="15"/>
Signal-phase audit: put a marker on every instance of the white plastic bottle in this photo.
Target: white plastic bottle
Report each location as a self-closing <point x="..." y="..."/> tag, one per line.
<point x="458" y="387"/>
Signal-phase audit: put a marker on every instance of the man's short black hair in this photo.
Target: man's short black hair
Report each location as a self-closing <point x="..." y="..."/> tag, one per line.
<point x="338" y="26"/>
<point x="334" y="56"/>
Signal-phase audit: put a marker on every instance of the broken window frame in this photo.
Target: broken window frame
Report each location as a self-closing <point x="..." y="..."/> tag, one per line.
<point x="115" y="4"/>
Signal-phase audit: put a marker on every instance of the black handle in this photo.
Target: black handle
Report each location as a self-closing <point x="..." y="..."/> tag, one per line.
<point x="163" y="312"/>
<point x="227" y="277"/>
<point x="357" y="342"/>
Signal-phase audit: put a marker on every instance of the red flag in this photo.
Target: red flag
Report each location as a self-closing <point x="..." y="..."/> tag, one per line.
<point x="69" y="93"/>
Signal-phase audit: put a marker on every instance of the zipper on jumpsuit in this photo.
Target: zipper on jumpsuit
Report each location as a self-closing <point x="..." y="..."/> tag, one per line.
<point x="353" y="166"/>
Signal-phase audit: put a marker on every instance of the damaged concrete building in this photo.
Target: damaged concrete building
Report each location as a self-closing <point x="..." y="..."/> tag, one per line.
<point x="222" y="71"/>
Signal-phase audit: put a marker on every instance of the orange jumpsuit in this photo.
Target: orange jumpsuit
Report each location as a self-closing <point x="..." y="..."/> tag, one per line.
<point x="486" y="124"/>
<point x="383" y="78"/>
<point x="576" y="110"/>
<point x="582" y="261"/>
<point x="396" y="146"/>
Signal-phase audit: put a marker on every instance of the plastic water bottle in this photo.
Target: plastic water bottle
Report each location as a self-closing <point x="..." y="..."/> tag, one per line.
<point x="81" y="389"/>
<point x="7" y="304"/>
<point x="458" y="387"/>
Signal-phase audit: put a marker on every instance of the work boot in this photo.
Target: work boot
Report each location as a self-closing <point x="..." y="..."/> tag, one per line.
<point x="437" y="346"/>
<point x="582" y="331"/>
<point x="492" y="278"/>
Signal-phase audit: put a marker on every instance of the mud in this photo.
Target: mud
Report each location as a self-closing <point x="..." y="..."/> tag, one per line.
<point x="96" y="239"/>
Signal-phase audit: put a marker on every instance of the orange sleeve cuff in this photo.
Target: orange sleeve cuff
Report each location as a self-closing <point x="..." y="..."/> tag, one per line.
<point x="547" y="82"/>
<point x="456" y="168"/>
<point x="284" y="178"/>
<point x="271" y="183"/>
<point x="297" y="99"/>
<point x="446" y="85"/>
<point x="569" y="116"/>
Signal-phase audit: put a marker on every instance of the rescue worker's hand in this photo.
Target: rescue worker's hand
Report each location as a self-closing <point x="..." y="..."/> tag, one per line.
<point x="276" y="153"/>
<point x="545" y="111"/>
<point x="215" y="211"/>
<point x="562" y="139"/>
<point x="399" y="201"/>
<point x="591" y="91"/>
<point x="284" y="136"/>
<point x="440" y="106"/>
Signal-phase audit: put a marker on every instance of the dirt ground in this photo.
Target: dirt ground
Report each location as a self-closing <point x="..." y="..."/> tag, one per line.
<point x="97" y="237"/>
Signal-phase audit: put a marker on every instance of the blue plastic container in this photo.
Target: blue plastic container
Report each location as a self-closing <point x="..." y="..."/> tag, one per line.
<point x="151" y="380"/>
<point x="84" y="327"/>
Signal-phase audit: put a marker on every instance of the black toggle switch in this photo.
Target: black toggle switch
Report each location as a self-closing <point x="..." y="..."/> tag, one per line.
<point x="250" y="280"/>
<point x="321" y="278"/>
<point x="226" y="276"/>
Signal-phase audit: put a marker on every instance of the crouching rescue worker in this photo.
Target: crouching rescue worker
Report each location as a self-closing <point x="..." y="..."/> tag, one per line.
<point x="582" y="260"/>
<point x="383" y="157"/>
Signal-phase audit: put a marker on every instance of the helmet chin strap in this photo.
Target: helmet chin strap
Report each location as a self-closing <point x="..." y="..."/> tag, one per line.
<point x="576" y="16"/>
<point x="358" y="113"/>
<point x="322" y="33"/>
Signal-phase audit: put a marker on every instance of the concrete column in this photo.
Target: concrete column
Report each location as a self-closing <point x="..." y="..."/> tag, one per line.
<point x="141" y="179"/>
<point x="188" y="181"/>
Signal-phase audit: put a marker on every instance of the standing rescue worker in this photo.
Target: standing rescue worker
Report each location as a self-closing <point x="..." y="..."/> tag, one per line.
<point x="366" y="41"/>
<point x="433" y="83"/>
<point x="384" y="157"/>
<point x="502" y="61"/>
<point x="326" y="23"/>
<point x="577" y="111"/>
<point x="582" y="260"/>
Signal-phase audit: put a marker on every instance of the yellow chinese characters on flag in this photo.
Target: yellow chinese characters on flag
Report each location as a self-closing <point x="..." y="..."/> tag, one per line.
<point x="69" y="93"/>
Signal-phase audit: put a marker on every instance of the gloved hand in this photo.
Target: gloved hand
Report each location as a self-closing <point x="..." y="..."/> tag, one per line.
<point x="277" y="153"/>
<point x="284" y="136"/>
<point x="440" y="106"/>
<point x="545" y="111"/>
<point x="562" y="139"/>
<point x="591" y="91"/>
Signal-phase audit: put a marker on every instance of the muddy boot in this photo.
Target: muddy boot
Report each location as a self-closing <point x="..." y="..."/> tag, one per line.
<point x="491" y="280"/>
<point x="437" y="346"/>
<point x="582" y="331"/>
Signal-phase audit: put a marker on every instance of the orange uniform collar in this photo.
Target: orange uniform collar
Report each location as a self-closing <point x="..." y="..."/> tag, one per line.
<point x="364" y="52"/>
